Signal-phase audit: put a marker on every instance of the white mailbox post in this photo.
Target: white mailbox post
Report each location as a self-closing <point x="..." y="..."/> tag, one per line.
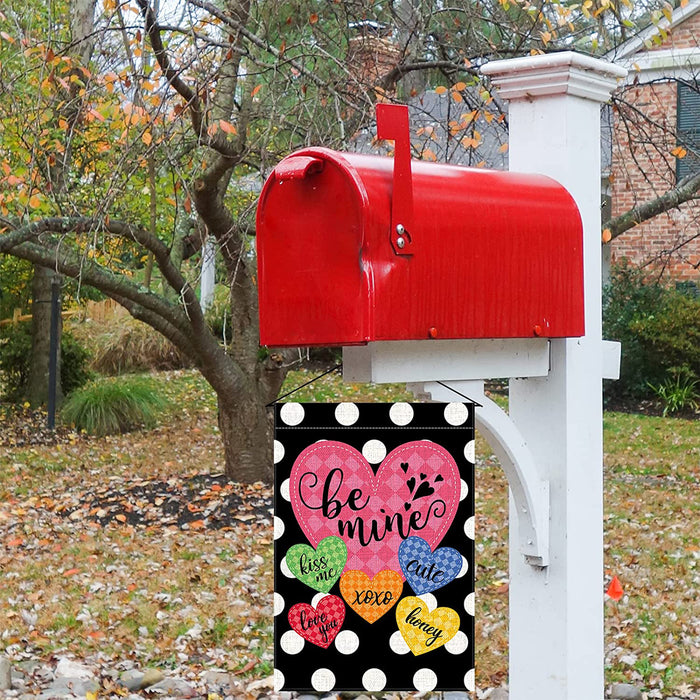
<point x="550" y="444"/>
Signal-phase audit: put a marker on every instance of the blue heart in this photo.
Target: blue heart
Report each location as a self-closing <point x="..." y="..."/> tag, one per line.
<point x="427" y="571"/>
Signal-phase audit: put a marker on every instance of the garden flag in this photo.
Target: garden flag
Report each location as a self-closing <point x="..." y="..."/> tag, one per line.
<point x="374" y="547"/>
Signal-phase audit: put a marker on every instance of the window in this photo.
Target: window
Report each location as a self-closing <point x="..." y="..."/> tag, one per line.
<point x="688" y="130"/>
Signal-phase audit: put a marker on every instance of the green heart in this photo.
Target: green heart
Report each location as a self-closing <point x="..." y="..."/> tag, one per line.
<point x="318" y="568"/>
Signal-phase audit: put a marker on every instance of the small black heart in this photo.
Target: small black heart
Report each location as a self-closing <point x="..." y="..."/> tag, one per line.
<point x="439" y="478"/>
<point x="411" y="483"/>
<point x="423" y="477"/>
<point x="404" y="466"/>
<point x="424" y="490"/>
<point x="406" y="506"/>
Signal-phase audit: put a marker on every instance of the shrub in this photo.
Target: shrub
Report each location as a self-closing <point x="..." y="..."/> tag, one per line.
<point x="114" y="405"/>
<point x="125" y="345"/>
<point x="15" y="361"/>
<point x="659" y="329"/>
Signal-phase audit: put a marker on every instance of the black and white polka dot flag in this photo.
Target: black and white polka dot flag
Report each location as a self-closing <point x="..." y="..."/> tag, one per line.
<point x="374" y="547"/>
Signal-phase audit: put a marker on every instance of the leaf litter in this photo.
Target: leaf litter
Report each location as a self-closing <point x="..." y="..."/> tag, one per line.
<point x="135" y="551"/>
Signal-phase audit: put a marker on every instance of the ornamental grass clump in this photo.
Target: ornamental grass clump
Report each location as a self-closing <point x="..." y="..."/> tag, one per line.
<point x="125" y="345"/>
<point x="110" y="406"/>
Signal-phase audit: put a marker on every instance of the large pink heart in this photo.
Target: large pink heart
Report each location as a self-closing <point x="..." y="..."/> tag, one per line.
<point x="334" y="491"/>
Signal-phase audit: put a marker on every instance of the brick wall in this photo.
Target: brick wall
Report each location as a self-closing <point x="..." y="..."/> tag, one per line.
<point x="683" y="36"/>
<point x="643" y="167"/>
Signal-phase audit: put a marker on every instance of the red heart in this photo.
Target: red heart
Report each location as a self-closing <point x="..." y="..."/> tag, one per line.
<point x="334" y="491"/>
<point x="321" y="624"/>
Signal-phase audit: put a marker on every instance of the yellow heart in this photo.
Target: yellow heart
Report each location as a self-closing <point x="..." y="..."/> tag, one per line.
<point x="422" y="630"/>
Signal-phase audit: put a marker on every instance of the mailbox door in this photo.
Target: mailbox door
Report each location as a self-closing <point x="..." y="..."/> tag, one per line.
<point x="313" y="285"/>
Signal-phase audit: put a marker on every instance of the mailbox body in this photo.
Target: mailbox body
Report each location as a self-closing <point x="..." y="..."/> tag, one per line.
<point x="492" y="254"/>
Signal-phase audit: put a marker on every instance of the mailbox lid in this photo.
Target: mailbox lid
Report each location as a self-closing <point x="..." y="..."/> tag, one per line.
<point x="311" y="219"/>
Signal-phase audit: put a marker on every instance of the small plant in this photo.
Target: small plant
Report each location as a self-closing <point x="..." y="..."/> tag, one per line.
<point x="679" y="392"/>
<point x="112" y="406"/>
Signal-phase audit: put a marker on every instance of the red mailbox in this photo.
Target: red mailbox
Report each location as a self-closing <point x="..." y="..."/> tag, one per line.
<point x="356" y="248"/>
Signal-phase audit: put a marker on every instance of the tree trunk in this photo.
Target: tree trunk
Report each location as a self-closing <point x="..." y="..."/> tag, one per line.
<point x="37" y="389"/>
<point x="246" y="433"/>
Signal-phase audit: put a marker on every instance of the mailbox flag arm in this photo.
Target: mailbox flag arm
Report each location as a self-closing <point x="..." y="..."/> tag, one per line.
<point x="392" y="125"/>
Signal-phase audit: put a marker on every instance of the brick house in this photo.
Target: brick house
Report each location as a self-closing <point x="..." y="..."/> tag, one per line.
<point x="657" y="119"/>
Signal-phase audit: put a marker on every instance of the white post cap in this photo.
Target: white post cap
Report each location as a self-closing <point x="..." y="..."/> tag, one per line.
<point x="567" y="72"/>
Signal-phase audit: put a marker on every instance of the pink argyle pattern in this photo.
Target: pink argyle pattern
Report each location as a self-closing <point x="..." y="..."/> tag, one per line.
<point x="334" y="491"/>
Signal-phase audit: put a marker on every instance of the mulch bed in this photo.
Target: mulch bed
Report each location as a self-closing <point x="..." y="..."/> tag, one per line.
<point x="200" y="501"/>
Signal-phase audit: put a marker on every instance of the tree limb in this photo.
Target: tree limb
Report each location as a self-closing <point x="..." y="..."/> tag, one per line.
<point x="688" y="188"/>
<point x="395" y="74"/>
<point x="218" y="141"/>
<point x="68" y="263"/>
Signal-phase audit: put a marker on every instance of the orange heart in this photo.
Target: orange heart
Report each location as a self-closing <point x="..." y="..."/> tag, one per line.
<point x="425" y="631"/>
<point x="371" y="598"/>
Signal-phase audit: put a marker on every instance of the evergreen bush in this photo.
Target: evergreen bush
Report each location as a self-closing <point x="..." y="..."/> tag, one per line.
<point x="659" y="329"/>
<point x="15" y="361"/>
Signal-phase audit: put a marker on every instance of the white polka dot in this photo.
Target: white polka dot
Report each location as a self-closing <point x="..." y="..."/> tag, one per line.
<point x="291" y="642"/>
<point x="347" y="642"/>
<point x="323" y="680"/>
<point x="285" y="569"/>
<point x="284" y="490"/>
<point x="278" y="603"/>
<point x="430" y="600"/>
<point x="469" y="528"/>
<point x="469" y="452"/>
<point x="347" y="413"/>
<point x="458" y="644"/>
<point x="464" y="569"/>
<point x="456" y="413"/>
<point x="470" y="604"/>
<point x="469" y="681"/>
<point x="278" y="680"/>
<point x="373" y="680"/>
<point x="398" y="644"/>
<point x="278" y="529"/>
<point x="463" y="489"/>
<point x="374" y="451"/>
<point x="278" y="451"/>
<point x="317" y="599"/>
<point x="292" y="413"/>
<point x="401" y="413"/>
<point x="424" y="680"/>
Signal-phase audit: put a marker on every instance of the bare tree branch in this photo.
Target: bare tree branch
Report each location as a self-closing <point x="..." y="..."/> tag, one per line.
<point x="393" y="76"/>
<point x="687" y="189"/>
